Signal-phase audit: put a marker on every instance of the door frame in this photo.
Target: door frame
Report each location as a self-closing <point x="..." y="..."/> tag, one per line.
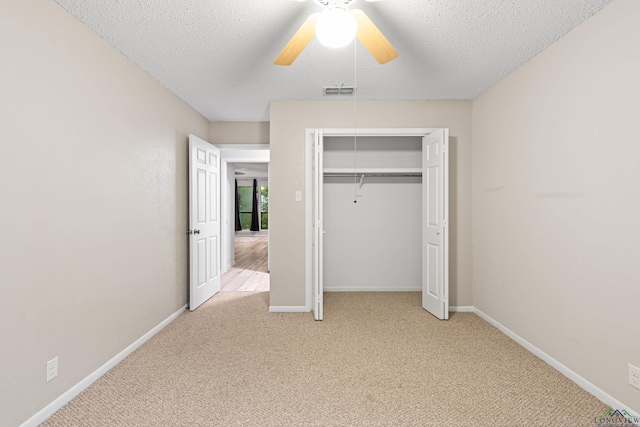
<point x="309" y="150"/>
<point x="238" y="153"/>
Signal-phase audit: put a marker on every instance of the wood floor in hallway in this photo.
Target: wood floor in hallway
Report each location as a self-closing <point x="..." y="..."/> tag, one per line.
<point x="250" y="272"/>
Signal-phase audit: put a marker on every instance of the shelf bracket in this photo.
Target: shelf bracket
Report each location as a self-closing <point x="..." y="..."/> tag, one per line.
<point x="359" y="192"/>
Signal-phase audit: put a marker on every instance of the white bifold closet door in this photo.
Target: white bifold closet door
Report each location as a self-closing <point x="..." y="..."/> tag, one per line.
<point x="435" y="233"/>
<point x="318" y="229"/>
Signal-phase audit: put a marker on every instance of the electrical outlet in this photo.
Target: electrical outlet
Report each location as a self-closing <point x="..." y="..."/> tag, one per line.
<point x="52" y="368"/>
<point x="634" y="376"/>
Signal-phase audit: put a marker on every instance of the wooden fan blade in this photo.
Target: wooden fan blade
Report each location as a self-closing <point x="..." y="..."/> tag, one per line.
<point x="373" y="39"/>
<point x="298" y="42"/>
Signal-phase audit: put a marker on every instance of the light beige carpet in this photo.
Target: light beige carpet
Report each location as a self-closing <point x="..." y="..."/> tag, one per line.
<point x="377" y="360"/>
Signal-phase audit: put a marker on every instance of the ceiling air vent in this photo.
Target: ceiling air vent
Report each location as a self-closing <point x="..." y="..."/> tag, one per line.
<point x="338" y="90"/>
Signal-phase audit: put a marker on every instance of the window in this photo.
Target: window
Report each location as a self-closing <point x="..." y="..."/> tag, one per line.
<point x="264" y="207"/>
<point x="244" y="200"/>
<point x="245" y="205"/>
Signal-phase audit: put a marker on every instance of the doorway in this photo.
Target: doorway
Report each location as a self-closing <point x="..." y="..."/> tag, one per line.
<point x="249" y="270"/>
<point x="245" y="253"/>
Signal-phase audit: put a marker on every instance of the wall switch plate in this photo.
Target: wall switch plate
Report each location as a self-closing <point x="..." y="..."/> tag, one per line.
<point x="52" y="368"/>
<point x="634" y="376"/>
<point x="298" y="196"/>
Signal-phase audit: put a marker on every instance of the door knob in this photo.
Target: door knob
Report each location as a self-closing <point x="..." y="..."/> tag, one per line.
<point x="196" y="231"/>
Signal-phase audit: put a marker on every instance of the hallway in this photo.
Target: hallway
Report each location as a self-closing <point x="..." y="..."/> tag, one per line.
<point x="250" y="271"/>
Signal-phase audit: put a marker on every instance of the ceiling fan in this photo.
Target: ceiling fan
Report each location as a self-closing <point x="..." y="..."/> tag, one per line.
<point x="324" y="25"/>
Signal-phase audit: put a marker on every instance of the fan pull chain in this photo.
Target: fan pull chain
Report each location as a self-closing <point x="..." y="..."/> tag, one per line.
<point x="355" y="122"/>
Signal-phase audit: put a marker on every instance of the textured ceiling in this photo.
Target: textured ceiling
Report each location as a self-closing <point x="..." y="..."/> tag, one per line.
<point x="251" y="170"/>
<point x="217" y="55"/>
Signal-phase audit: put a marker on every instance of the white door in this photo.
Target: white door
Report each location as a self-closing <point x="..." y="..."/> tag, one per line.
<point x="318" y="182"/>
<point x="204" y="221"/>
<point x="435" y="234"/>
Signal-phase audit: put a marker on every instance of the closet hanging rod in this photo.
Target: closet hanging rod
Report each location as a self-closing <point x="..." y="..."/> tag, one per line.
<point x="372" y="174"/>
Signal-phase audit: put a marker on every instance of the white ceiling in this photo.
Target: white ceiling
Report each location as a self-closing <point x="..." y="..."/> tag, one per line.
<point x="217" y="55"/>
<point x="251" y="170"/>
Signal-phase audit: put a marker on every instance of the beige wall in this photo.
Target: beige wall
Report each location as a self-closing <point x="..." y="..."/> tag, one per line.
<point x="289" y="119"/>
<point x="94" y="205"/>
<point x="239" y="132"/>
<point x="556" y="200"/>
<point x="93" y="250"/>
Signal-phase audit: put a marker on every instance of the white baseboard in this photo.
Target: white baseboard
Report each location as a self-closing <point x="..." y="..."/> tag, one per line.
<point x="564" y="370"/>
<point x="67" y="396"/>
<point x="364" y="289"/>
<point x="288" y="309"/>
<point x="461" y="309"/>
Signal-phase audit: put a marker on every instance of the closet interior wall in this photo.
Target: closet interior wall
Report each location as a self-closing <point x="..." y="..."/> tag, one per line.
<point x="374" y="244"/>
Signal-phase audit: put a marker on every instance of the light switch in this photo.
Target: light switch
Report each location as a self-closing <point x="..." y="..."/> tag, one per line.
<point x="298" y="196"/>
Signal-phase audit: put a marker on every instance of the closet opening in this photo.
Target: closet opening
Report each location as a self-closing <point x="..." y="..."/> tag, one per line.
<point x="372" y="219"/>
<point x="377" y="214"/>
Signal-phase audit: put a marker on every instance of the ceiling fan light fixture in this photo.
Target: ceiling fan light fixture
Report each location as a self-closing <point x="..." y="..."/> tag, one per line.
<point x="336" y="27"/>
